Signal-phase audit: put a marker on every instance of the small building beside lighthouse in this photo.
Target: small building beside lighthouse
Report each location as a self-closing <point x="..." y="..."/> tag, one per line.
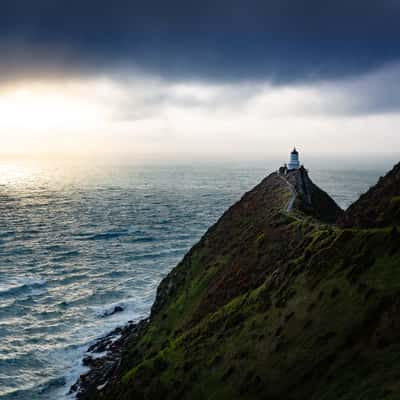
<point x="294" y="162"/>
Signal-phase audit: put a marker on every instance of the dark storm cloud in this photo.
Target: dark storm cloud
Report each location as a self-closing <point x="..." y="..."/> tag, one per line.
<point x="279" y="40"/>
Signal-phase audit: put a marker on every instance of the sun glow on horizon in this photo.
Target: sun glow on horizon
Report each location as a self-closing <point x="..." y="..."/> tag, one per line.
<point x="66" y="117"/>
<point x="38" y="107"/>
<point x="137" y="115"/>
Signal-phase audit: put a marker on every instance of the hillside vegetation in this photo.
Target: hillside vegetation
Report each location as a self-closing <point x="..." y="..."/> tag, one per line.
<point x="274" y="305"/>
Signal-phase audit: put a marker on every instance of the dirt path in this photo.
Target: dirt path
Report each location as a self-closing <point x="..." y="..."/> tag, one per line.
<point x="294" y="194"/>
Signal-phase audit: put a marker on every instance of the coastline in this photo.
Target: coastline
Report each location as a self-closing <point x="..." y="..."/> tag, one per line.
<point x="103" y="358"/>
<point x="207" y="332"/>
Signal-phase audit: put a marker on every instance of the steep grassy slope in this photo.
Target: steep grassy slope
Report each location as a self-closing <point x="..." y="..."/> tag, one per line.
<point x="271" y="305"/>
<point x="379" y="206"/>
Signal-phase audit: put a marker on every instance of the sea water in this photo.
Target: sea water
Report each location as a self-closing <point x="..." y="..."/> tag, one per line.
<point x="78" y="240"/>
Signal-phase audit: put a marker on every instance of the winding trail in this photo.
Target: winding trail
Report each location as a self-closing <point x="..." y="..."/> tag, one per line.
<point x="294" y="194"/>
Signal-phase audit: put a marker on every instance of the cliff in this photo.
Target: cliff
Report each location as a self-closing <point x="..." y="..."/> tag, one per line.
<point x="379" y="206"/>
<point x="272" y="303"/>
<point x="310" y="199"/>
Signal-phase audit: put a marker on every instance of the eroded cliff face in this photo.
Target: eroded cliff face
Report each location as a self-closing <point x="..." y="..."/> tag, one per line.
<point x="311" y="200"/>
<point x="270" y="304"/>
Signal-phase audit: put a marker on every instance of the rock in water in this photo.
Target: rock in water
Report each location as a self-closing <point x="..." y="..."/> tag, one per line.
<point x="116" y="309"/>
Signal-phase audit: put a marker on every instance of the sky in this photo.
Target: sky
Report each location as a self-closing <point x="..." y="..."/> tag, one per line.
<point x="130" y="79"/>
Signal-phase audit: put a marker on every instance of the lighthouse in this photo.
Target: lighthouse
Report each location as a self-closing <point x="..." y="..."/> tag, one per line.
<point x="294" y="162"/>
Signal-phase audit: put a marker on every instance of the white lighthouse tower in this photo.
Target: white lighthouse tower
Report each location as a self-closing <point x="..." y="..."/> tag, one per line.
<point x="294" y="162"/>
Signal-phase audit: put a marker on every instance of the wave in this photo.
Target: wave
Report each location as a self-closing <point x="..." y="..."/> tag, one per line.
<point x="66" y="255"/>
<point x="128" y="305"/>
<point x="111" y="310"/>
<point x="115" y="234"/>
<point x="145" y="239"/>
<point x="32" y="391"/>
<point x="7" y="234"/>
<point x="102" y="235"/>
<point x="21" y="285"/>
<point x="160" y="254"/>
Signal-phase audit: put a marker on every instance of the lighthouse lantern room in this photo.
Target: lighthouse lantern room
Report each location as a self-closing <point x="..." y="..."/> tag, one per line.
<point x="294" y="162"/>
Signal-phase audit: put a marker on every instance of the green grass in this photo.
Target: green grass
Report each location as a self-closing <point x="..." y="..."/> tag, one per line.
<point x="276" y="306"/>
<point x="256" y="338"/>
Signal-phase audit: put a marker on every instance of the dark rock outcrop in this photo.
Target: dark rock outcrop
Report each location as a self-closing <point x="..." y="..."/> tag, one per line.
<point x="114" y="310"/>
<point x="311" y="199"/>
<point x="103" y="368"/>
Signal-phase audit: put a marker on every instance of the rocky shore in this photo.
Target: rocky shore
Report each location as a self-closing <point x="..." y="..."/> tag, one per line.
<point x="104" y="357"/>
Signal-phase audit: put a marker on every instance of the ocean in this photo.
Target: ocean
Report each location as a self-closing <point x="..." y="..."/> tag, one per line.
<point x="78" y="240"/>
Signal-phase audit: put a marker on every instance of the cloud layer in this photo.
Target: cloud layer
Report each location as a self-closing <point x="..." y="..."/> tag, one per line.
<point x="222" y="76"/>
<point x="279" y="40"/>
<point x="131" y="115"/>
